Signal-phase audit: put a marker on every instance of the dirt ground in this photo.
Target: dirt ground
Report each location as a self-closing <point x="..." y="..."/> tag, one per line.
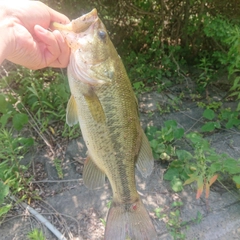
<point x="79" y="213"/>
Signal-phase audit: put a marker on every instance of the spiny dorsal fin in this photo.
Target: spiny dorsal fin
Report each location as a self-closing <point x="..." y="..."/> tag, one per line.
<point x="93" y="177"/>
<point x="145" y="159"/>
<point x="72" y="112"/>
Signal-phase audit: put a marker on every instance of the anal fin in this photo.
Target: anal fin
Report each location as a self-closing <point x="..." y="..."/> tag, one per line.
<point x="93" y="177"/>
<point x="145" y="161"/>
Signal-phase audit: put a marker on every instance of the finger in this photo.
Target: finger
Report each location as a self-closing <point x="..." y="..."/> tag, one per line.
<point x="54" y="15"/>
<point x="63" y="58"/>
<point x="52" y="51"/>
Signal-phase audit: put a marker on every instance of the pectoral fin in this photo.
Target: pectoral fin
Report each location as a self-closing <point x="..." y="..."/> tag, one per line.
<point x="145" y="159"/>
<point x="93" y="177"/>
<point x="72" y="112"/>
<point x="95" y="106"/>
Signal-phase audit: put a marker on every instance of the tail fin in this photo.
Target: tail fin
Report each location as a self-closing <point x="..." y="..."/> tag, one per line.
<point x="129" y="222"/>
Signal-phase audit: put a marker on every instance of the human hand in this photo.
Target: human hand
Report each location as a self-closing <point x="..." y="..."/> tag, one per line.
<point x="25" y="37"/>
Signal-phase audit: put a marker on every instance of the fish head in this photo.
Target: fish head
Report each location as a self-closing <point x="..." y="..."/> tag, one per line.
<point x="92" y="45"/>
<point x="90" y="48"/>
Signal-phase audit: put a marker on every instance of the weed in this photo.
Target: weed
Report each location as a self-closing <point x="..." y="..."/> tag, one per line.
<point x="216" y="28"/>
<point x="161" y="140"/>
<point x="12" y="149"/>
<point x="207" y="75"/>
<point x="138" y="87"/>
<point x="40" y="96"/>
<point x="57" y="164"/>
<point x="36" y="234"/>
<point x="211" y="125"/>
<point x="226" y="118"/>
<point x="236" y="87"/>
<point x="172" y="219"/>
<point x="203" y="166"/>
<point x="103" y="221"/>
<point x="174" y="225"/>
<point x="28" y="99"/>
<point x="4" y="208"/>
<point x="212" y="105"/>
<point x="230" y="118"/>
<point x="198" y="218"/>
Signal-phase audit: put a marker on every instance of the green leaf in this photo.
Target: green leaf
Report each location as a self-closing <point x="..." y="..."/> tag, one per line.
<point x="238" y="107"/>
<point x="236" y="179"/>
<point x="170" y="123"/>
<point x="153" y="143"/>
<point x="26" y="142"/>
<point x="5" y="209"/>
<point x="4" y="118"/>
<point x="232" y="166"/>
<point x="194" y="137"/>
<point x="177" y="204"/>
<point x="19" y="120"/>
<point x="215" y="167"/>
<point x="232" y="122"/>
<point x="171" y="174"/>
<point x="160" y="148"/>
<point x="217" y="124"/>
<point x="138" y="85"/>
<point x="191" y="179"/>
<point x="168" y="136"/>
<point x="208" y="127"/>
<point x="209" y="114"/>
<point x="151" y="132"/>
<point x="3" y="104"/>
<point x="178" y="133"/>
<point x="183" y="155"/>
<point x="176" y="184"/>
<point x="4" y="190"/>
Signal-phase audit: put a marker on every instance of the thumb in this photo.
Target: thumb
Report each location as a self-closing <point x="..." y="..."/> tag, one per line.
<point x="48" y="44"/>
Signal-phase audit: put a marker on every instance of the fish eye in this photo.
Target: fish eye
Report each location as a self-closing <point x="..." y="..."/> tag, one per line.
<point x="102" y="34"/>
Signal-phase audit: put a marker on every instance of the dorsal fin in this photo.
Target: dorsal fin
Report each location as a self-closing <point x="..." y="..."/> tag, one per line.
<point x="145" y="159"/>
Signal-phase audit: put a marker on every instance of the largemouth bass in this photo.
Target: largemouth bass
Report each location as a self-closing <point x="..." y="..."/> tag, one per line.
<point x="104" y="104"/>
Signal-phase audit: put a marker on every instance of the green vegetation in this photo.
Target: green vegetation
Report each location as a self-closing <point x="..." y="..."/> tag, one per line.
<point x="172" y="219"/>
<point x="162" y="140"/>
<point x="36" y="234"/>
<point x="201" y="165"/>
<point x="32" y="111"/>
<point x="57" y="163"/>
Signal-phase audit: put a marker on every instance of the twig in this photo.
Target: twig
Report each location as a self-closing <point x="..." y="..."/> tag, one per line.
<point x="57" y="181"/>
<point x="231" y="192"/>
<point x="42" y="220"/>
<point x="59" y="219"/>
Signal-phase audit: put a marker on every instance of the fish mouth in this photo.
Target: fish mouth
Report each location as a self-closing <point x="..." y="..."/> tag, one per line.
<point x="78" y="25"/>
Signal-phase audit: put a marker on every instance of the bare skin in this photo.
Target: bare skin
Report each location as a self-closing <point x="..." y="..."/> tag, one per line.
<point x="25" y="38"/>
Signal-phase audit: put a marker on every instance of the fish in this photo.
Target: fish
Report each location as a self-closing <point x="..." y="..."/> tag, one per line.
<point x="104" y="104"/>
